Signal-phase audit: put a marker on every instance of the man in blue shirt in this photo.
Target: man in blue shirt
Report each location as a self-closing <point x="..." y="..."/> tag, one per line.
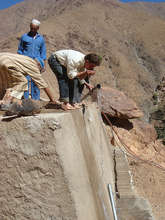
<point x="32" y="44"/>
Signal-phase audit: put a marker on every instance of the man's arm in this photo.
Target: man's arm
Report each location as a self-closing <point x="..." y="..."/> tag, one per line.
<point x="83" y="74"/>
<point x="72" y="73"/>
<point x="43" y="54"/>
<point x="44" y="68"/>
<point x="45" y="64"/>
<point x="20" y="47"/>
<point x="50" y="95"/>
<point x="88" y="85"/>
<point x="43" y="49"/>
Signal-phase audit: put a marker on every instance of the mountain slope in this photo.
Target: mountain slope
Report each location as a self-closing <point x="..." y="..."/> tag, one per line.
<point x="130" y="40"/>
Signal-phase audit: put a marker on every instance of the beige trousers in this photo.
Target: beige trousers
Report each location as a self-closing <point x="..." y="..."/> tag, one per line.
<point x="13" y="69"/>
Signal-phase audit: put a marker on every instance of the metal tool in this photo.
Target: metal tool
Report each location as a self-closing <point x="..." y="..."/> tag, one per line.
<point x="112" y="202"/>
<point x="98" y="86"/>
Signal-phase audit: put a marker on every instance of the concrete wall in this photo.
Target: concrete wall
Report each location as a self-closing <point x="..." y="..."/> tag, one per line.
<point x="55" y="167"/>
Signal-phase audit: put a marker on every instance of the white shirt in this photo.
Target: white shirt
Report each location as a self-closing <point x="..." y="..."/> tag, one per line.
<point x="72" y="60"/>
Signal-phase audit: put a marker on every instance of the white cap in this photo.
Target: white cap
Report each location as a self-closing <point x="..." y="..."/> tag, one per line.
<point x="35" y="22"/>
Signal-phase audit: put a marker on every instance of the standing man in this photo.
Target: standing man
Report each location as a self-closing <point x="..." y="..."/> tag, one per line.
<point x="32" y="44"/>
<point x="73" y="70"/>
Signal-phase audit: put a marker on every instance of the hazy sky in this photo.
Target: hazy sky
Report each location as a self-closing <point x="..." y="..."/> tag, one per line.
<point x="155" y="1"/>
<point x="8" y="3"/>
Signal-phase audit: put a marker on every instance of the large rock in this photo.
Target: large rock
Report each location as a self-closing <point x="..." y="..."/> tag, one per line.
<point x="139" y="139"/>
<point x="117" y="104"/>
<point x="28" y="107"/>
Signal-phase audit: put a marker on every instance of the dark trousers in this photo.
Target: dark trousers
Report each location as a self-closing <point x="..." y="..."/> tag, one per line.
<point x="70" y="89"/>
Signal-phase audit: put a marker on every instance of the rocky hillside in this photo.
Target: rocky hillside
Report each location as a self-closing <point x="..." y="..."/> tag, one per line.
<point x="155" y="9"/>
<point x="129" y="37"/>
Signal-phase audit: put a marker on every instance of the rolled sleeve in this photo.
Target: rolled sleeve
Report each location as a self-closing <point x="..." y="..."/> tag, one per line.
<point x="72" y="74"/>
<point x="82" y="81"/>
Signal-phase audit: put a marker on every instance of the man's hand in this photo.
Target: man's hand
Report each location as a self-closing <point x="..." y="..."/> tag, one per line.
<point x="43" y="70"/>
<point x="90" y="72"/>
<point x="38" y="64"/>
<point x="89" y="86"/>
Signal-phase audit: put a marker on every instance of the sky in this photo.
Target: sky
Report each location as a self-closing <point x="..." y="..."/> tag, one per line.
<point x="7" y="3"/>
<point x="155" y="1"/>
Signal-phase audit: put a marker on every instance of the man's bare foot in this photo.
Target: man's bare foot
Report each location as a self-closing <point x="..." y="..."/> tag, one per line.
<point x="67" y="106"/>
<point x="77" y="105"/>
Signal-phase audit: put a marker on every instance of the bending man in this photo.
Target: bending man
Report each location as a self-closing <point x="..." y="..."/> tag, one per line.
<point x="13" y="71"/>
<point x="72" y="70"/>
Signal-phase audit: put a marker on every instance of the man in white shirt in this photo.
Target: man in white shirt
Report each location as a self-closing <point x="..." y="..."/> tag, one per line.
<point x="72" y="70"/>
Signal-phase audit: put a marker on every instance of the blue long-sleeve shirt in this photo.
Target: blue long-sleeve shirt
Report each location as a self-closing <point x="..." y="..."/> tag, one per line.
<point x="32" y="47"/>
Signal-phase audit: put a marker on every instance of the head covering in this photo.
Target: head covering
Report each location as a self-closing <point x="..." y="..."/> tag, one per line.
<point x="35" y="22"/>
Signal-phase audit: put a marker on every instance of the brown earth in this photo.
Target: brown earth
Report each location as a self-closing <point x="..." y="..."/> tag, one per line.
<point x="148" y="178"/>
<point x="130" y="40"/>
<point x="149" y="182"/>
<point x="130" y="37"/>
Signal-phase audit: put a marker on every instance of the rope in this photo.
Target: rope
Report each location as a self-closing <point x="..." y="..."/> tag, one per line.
<point x="130" y="152"/>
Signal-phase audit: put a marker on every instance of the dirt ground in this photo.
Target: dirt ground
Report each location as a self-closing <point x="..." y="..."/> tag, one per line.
<point x="149" y="182"/>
